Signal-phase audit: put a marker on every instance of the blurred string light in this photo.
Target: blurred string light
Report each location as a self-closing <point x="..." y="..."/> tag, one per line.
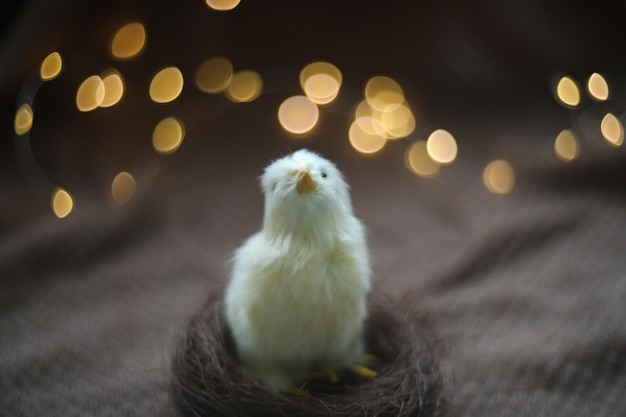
<point x="566" y="146"/>
<point x="113" y="88"/>
<point x="321" y="82"/>
<point x="597" y="87"/>
<point x="442" y="147"/>
<point x="51" y="67"/>
<point x="168" y="135"/>
<point x="499" y="177"/>
<point x="222" y="5"/>
<point x="567" y="92"/>
<point x="62" y="203"/>
<point x="23" y="119"/>
<point x="90" y="94"/>
<point x="364" y="137"/>
<point x="128" y="41"/>
<point x="244" y="86"/>
<point x="298" y="114"/>
<point x="612" y="130"/>
<point x="123" y="188"/>
<point x="418" y="160"/>
<point x="214" y="75"/>
<point x="166" y="85"/>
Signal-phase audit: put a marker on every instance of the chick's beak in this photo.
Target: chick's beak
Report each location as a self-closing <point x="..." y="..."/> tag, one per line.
<point x="306" y="184"/>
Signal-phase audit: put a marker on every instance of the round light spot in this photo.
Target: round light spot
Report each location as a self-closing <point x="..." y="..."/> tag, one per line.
<point x="113" y="89"/>
<point x="321" y="82"/>
<point x="214" y="75"/>
<point x="62" y="203"/>
<point x="499" y="177"/>
<point x="90" y="94"/>
<point x="566" y="146"/>
<point x="123" y="188"/>
<point x="244" y="86"/>
<point x="567" y="92"/>
<point x="168" y="135"/>
<point x="298" y="114"/>
<point x="51" y="66"/>
<point x="418" y="161"/>
<point x="366" y="141"/>
<point x="597" y="87"/>
<point x="383" y="93"/>
<point x="23" y="119"/>
<point x="222" y="5"/>
<point x="166" y="85"/>
<point x="612" y="129"/>
<point x="441" y="146"/>
<point x="128" y="41"/>
<point x="371" y="125"/>
<point x="397" y="121"/>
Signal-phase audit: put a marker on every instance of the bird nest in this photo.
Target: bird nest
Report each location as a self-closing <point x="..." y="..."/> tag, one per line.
<point x="208" y="380"/>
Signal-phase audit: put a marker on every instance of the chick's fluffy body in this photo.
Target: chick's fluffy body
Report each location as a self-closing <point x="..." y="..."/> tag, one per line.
<point x="296" y="301"/>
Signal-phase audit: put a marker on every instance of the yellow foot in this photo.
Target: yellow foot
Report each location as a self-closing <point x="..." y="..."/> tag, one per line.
<point x="298" y="391"/>
<point x="363" y="372"/>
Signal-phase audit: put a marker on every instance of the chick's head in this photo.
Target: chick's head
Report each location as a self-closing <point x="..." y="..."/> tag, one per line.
<point x="304" y="188"/>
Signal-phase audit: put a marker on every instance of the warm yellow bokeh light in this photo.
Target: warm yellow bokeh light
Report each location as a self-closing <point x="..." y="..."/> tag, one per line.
<point x="222" y="5"/>
<point x="612" y="129"/>
<point x="214" y="75"/>
<point x="113" y="89"/>
<point x="168" y="135"/>
<point x="499" y="177"/>
<point x="51" y="66"/>
<point x="321" y="81"/>
<point x="298" y="114"/>
<point x="597" y="87"/>
<point x="123" y="188"/>
<point x="567" y="92"/>
<point x="418" y="161"/>
<point x="90" y="94"/>
<point x="62" y="203"/>
<point x="23" y="119"/>
<point x="128" y="41"/>
<point x="366" y="140"/>
<point x="566" y="146"/>
<point x="166" y="85"/>
<point x="244" y="86"/>
<point x="398" y="121"/>
<point x="371" y="125"/>
<point x="383" y="93"/>
<point x="441" y="146"/>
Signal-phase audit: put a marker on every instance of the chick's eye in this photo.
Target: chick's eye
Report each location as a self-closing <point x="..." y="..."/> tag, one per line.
<point x="323" y="174"/>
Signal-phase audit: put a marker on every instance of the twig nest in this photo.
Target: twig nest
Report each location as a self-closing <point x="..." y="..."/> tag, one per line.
<point x="208" y="380"/>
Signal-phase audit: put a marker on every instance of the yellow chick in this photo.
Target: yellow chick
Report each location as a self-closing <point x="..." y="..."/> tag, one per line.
<point x="297" y="298"/>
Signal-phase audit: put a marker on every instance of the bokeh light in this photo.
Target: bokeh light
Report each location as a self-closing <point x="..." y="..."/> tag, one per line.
<point x="321" y="82"/>
<point x="441" y="146"/>
<point x="597" y="87"/>
<point x="383" y="93"/>
<point x="62" y="203"/>
<point x="166" y="85"/>
<point x="566" y="146"/>
<point x="499" y="177"/>
<point x="123" y="188"/>
<point x="398" y="121"/>
<point x="113" y="88"/>
<point x="214" y="75"/>
<point x="51" y="66"/>
<point x="366" y="140"/>
<point x="244" y="86"/>
<point x="90" y="94"/>
<point x="567" y="92"/>
<point x="222" y="5"/>
<point x="168" y="135"/>
<point x="612" y="129"/>
<point x="23" y="119"/>
<point x="298" y="114"/>
<point x="418" y="161"/>
<point x="128" y="41"/>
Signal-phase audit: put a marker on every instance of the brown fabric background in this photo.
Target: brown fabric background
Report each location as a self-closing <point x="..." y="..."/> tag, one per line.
<point x="525" y="293"/>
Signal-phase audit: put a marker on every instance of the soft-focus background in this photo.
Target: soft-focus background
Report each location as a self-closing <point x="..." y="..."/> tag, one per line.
<point x="483" y="144"/>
